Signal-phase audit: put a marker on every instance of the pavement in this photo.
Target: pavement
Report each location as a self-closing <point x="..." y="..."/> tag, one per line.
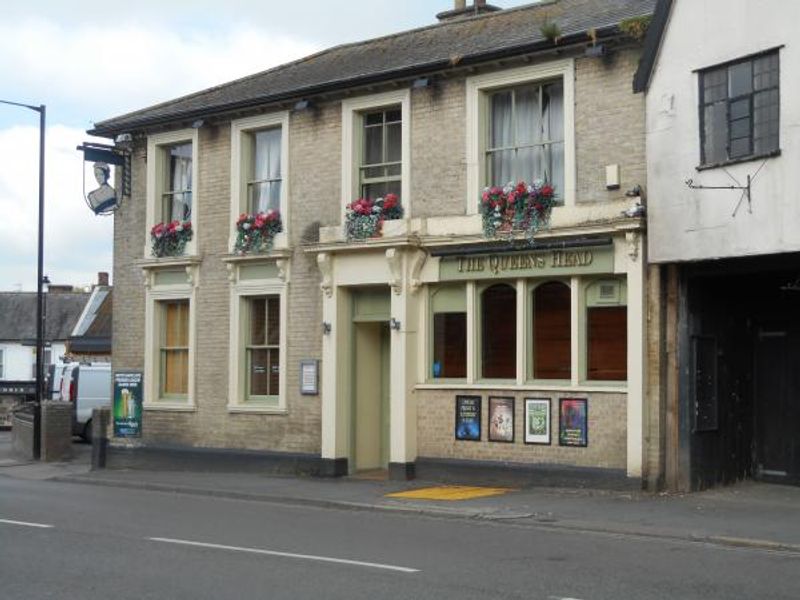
<point x="749" y="514"/>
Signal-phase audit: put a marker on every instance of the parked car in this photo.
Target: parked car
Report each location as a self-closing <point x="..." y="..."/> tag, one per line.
<point x="88" y="386"/>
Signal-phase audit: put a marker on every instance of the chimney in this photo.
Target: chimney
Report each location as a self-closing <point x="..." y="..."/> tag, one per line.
<point x="102" y="279"/>
<point x="461" y="10"/>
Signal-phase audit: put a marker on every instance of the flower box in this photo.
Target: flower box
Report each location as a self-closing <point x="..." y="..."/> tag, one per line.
<point x="255" y="232"/>
<point x="170" y="239"/>
<point x="364" y="217"/>
<point x="516" y="208"/>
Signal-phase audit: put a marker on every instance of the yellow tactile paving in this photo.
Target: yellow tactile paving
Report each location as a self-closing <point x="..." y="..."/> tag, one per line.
<point x="451" y="492"/>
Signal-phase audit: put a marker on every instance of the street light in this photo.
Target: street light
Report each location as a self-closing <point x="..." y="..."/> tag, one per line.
<point x="37" y="414"/>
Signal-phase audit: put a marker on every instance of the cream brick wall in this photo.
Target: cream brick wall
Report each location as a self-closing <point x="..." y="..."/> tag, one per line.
<point x="607" y="431"/>
<point x="609" y="129"/>
<point x="609" y="125"/>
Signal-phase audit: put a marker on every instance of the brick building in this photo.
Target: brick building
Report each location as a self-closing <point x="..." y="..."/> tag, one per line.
<point x="408" y="327"/>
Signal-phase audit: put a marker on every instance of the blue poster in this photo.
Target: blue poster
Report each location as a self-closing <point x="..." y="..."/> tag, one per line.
<point x="468" y="418"/>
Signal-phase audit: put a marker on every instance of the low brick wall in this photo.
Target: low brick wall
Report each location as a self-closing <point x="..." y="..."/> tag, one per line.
<point x="22" y="434"/>
<point x="56" y="431"/>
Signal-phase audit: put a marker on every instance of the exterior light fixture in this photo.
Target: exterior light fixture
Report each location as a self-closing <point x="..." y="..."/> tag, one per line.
<point x="326" y="328"/>
<point x="198" y="124"/>
<point x="420" y="83"/>
<point x="394" y="324"/>
<point x="124" y="138"/>
<point x="302" y="104"/>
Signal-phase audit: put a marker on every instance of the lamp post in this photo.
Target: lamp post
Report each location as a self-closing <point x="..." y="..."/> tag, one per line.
<point x="37" y="415"/>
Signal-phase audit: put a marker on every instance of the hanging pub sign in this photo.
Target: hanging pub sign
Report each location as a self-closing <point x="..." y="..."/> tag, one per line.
<point x="128" y="404"/>
<point x="468" y="418"/>
<point x="573" y="422"/>
<point x="103" y="199"/>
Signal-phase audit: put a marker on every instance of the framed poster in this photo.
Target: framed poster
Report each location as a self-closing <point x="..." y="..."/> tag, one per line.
<point x="127" y="404"/>
<point x="537" y="421"/>
<point x="501" y="419"/>
<point x="573" y="422"/>
<point x="309" y="377"/>
<point x="468" y="418"/>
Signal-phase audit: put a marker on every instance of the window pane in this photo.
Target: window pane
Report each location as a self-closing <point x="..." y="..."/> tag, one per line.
<point x="450" y="344"/>
<point x="499" y="332"/>
<point x="553" y="112"/>
<point x="273" y="320"/>
<point x="716" y="133"/>
<point x="765" y="124"/>
<point x="176" y="372"/>
<point x="740" y="128"/>
<point x="257" y="321"/>
<point x="394" y="170"/>
<point x="552" y="331"/>
<point x="607" y="341"/>
<point x="375" y="118"/>
<point x="500" y="132"/>
<point x="528" y="123"/>
<point x="393" y="143"/>
<point x="740" y="147"/>
<point x="555" y="157"/>
<point x="258" y="361"/>
<point x="274" y="371"/>
<point x="765" y="72"/>
<point x="176" y="324"/>
<point x="740" y="79"/>
<point x="530" y="164"/>
<point x="501" y="167"/>
<point x="715" y="85"/>
<point x="180" y="168"/>
<point x="373" y="145"/>
<point x="740" y="109"/>
<point x="264" y="196"/>
<point x="267" y="155"/>
<point x="394" y="115"/>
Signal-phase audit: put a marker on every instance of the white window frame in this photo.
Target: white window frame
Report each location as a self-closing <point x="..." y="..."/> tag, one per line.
<point x="478" y="89"/>
<point x="152" y="351"/>
<point x="239" y="129"/>
<point x="237" y="364"/>
<point x="156" y="163"/>
<point x="352" y="109"/>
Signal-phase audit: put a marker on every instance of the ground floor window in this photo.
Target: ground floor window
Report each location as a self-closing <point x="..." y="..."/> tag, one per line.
<point x="262" y="347"/>
<point x="449" y="315"/>
<point x="499" y="332"/>
<point x="551" y="316"/>
<point x="174" y="348"/>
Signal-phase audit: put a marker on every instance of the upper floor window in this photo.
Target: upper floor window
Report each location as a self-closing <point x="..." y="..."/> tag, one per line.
<point x="264" y="170"/>
<point x="525" y="139"/>
<point x="380" y="169"/>
<point x="739" y="109"/>
<point x="176" y="198"/>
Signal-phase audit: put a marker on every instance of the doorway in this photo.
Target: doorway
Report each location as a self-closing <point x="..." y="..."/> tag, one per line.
<point x="371" y="371"/>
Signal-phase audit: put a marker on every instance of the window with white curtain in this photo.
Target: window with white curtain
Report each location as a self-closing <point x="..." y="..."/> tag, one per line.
<point x="264" y="178"/>
<point x="380" y="172"/>
<point x="176" y="200"/>
<point x="525" y="137"/>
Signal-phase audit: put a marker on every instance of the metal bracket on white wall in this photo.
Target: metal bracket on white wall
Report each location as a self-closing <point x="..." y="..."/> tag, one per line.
<point x="745" y="189"/>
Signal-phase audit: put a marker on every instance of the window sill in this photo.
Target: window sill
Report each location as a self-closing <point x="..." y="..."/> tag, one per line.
<point x="255" y="409"/>
<point x="186" y="260"/>
<point x="526" y="387"/>
<point x="170" y="406"/>
<point x="274" y="254"/>
<point x="738" y="161"/>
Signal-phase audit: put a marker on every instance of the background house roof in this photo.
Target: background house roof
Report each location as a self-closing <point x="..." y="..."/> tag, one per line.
<point x="18" y="315"/>
<point x="434" y="47"/>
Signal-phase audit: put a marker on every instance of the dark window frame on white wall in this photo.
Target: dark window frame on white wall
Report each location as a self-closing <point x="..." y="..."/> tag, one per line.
<point x="739" y="109"/>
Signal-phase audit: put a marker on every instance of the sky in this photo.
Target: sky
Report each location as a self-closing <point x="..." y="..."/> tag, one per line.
<point x="88" y="61"/>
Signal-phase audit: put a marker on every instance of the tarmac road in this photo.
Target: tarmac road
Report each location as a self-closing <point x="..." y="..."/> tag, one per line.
<point x="62" y="540"/>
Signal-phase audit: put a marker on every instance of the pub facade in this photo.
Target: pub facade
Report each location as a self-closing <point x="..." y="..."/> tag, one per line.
<point x="350" y="264"/>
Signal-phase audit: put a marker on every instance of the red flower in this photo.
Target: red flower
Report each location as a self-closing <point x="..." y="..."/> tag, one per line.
<point x="521" y="188"/>
<point x="389" y="201"/>
<point x="547" y="191"/>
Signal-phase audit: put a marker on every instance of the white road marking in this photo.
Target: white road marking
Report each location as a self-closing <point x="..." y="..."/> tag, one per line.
<point x="342" y="561"/>
<point x="26" y="524"/>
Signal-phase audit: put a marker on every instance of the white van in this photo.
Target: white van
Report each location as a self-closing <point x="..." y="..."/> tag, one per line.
<point x="88" y="386"/>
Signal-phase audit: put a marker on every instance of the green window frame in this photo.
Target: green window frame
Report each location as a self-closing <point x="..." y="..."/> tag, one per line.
<point x="262" y="337"/>
<point x="381" y="150"/>
<point x="449" y="330"/>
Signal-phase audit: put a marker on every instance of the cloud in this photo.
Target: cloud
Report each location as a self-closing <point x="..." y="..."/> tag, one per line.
<point x="77" y="244"/>
<point x="94" y="72"/>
